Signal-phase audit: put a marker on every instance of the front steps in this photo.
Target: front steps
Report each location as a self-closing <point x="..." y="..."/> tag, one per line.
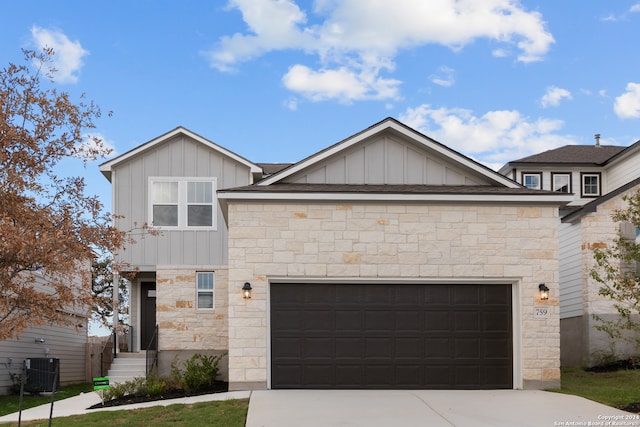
<point x="127" y="366"/>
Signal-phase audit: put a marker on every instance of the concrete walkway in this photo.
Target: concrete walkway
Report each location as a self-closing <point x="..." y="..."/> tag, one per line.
<point x="78" y="405"/>
<point x="432" y="408"/>
<point x="384" y="408"/>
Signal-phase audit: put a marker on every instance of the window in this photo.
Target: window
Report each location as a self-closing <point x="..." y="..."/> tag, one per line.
<point x="182" y="202"/>
<point x="561" y="182"/>
<point x="532" y="180"/>
<point x="199" y="204"/>
<point x="204" y="289"/>
<point x="165" y="203"/>
<point x="590" y="184"/>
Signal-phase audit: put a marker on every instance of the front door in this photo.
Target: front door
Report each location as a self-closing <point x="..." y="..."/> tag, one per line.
<point x="147" y="313"/>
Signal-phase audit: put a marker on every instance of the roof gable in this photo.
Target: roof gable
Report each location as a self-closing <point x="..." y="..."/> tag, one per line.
<point x="107" y="167"/>
<point x="389" y="152"/>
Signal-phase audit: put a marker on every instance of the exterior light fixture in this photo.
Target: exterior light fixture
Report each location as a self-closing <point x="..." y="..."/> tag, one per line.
<point x="40" y="340"/>
<point x="246" y="290"/>
<point x="544" y="292"/>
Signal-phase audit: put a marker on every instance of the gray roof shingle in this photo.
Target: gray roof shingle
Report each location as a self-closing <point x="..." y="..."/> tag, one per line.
<point x="574" y="154"/>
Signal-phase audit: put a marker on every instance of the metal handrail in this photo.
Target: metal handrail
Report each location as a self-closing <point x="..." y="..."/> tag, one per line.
<point x="107" y="354"/>
<point x="152" y="351"/>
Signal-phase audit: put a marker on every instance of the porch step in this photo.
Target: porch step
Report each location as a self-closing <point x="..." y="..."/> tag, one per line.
<point x="128" y="366"/>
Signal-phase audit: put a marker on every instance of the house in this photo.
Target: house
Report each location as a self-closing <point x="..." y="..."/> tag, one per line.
<point x="598" y="177"/>
<point x="386" y="260"/>
<point x="66" y="343"/>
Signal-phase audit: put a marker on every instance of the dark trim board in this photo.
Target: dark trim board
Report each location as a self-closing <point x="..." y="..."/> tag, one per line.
<point x="391" y="336"/>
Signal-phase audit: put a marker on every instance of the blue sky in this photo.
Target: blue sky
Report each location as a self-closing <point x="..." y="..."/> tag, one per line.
<point x="278" y="80"/>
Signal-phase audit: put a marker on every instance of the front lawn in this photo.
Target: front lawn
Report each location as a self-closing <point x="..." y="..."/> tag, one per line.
<point x="227" y="413"/>
<point x="619" y="388"/>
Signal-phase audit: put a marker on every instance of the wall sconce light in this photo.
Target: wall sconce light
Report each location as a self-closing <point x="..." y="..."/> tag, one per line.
<point x="544" y="292"/>
<point x="40" y="340"/>
<point x="246" y="290"/>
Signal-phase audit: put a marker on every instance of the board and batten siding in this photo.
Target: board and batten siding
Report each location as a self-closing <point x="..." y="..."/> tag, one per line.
<point x="178" y="157"/>
<point x="386" y="159"/>
<point x="570" y="254"/>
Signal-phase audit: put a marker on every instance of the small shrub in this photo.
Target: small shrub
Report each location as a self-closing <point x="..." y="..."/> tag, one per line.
<point x="175" y="380"/>
<point x="115" y="391"/>
<point x="155" y="385"/>
<point x="134" y="387"/>
<point x="16" y="384"/>
<point x="201" y="372"/>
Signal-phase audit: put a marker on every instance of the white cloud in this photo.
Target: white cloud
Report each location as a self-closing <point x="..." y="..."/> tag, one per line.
<point x="68" y="55"/>
<point x="635" y="8"/>
<point x="291" y="104"/>
<point x="444" y="77"/>
<point x="627" y="105"/>
<point x="95" y="145"/>
<point x="500" y="53"/>
<point x="553" y="96"/>
<point x="356" y="40"/>
<point x="343" y="84"/>
<point x="497" y="136"/>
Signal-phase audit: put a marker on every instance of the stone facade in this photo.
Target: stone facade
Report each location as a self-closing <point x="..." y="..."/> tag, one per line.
<point x="599" y="231"/>
<point x="418" y="241"/>
<point x="183" y="328"/>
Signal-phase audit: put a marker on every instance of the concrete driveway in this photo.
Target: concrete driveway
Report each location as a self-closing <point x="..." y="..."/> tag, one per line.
<point x="429" y="408"/>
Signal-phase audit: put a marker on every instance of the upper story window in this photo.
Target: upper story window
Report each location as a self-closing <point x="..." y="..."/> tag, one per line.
<point x="590" y="184"/>
<point x="561" y="182"/>
<point x="532" y="180"/>
<point x="204" y="289"/>
<point x="182" y="202"/>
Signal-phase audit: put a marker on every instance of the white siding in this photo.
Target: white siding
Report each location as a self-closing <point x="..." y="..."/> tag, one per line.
<point x="571" y="290"/>
<point x="622" y="172"/>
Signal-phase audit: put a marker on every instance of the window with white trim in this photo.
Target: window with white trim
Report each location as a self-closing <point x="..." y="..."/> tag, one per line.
<point x="532" y="180"/>
<point x="204" y="289"/>
<point x="561" y="182"/>
<point x="182" y="202"/>
<point x="590" y="184"/>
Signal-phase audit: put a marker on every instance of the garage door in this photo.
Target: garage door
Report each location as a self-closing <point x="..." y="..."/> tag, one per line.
<point x="391" y="336"/>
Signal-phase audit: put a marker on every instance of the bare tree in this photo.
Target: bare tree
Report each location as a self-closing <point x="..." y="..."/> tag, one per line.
<point x="48" y="226"/>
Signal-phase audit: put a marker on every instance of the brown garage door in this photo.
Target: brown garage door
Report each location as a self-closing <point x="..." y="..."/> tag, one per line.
<point x="386" y="336"/>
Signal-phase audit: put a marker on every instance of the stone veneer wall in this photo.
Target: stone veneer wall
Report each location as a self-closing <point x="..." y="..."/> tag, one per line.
<point x="184" y="329"/>
<point x="393" y="241"/>
<point x="598" y="231"/>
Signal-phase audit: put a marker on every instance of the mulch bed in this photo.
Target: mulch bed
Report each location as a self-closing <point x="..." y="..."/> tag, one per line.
<point x="218" y="387"/>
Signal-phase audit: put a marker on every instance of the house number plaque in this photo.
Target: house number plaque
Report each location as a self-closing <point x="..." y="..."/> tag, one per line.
<point x="541" y="312"/>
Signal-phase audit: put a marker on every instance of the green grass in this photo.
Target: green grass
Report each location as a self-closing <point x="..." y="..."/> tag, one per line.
<point x="10" y="403"/>
<point x="617" y="389"/>
<point x="228" y="413"/>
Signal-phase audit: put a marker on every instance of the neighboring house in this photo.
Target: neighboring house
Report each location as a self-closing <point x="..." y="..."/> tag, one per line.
<point x="67" y="343"/>
<point x="384" y="261"/>
<point x="598" y="177"/>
